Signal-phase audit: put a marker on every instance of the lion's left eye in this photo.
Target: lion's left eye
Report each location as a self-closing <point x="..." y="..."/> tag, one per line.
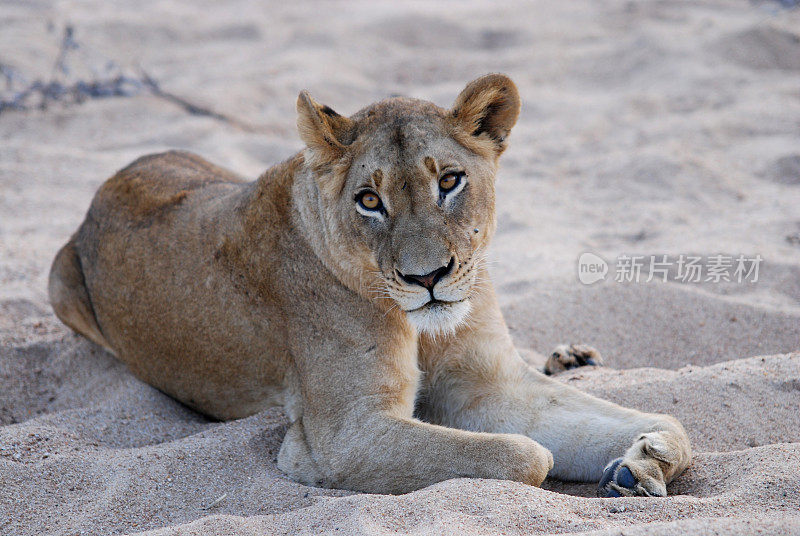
<point x="450" y="181"/>
<point x="370" y="201"/>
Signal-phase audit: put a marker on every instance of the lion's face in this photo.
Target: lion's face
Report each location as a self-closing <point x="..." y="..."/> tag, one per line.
<point x="423" y="205"/>
<point x="409" y="193"/>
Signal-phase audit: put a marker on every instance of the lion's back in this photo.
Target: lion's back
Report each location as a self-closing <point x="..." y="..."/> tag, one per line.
<point x="153" y="184"/>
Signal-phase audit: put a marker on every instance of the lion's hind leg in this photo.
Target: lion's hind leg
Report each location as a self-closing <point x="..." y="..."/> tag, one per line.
<point x="566" y="357"/>
<point x="70" y="298"/>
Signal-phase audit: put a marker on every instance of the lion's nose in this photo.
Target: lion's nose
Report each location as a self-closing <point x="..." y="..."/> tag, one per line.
<point x="428" y="280"/>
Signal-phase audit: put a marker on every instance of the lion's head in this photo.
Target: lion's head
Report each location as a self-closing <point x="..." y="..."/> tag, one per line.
<point x="404" y="194"/>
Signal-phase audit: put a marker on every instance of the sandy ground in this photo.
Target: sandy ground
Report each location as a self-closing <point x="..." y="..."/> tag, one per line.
<point x="647" y="128"/>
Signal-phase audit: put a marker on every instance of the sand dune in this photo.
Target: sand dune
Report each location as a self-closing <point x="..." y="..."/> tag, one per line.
<point x="647" y="129"/>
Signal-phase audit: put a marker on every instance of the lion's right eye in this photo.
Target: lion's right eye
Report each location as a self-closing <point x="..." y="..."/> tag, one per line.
<point x="449" y="181"/>
<point x="369" y="201"/>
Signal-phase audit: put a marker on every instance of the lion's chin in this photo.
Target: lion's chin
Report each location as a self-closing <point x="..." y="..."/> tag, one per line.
<point x="439" y="318"/>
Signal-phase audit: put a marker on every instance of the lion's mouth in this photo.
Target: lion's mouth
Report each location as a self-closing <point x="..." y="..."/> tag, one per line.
<point x="439" y="316"/>
<point x="436" y="304"/>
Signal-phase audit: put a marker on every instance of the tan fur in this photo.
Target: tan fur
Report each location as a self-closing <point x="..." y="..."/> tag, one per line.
<point x="234" y="296"/>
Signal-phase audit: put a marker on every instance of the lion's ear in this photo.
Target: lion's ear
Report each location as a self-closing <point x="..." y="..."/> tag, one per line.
<point x="487" y="109"/>
<point x="324" y="131"/>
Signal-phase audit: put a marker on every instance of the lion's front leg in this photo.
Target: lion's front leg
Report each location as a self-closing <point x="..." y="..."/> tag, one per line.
<point x="476" y="380"/>
<point x="370" y="450"/>
<point x="628" y="451"/>
<point x="351" y="404"/>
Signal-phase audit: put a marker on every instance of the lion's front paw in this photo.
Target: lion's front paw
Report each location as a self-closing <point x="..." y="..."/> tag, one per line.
<point x="646" y="468"/>
<point x="566" y="357"/>
<point x="618" y="480"/>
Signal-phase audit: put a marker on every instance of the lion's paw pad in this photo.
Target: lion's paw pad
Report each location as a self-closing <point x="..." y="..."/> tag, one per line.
<point x="616" y="478"/>
<point x="566" y="357"/>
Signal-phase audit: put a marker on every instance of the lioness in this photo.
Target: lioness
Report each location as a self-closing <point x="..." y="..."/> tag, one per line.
<point x="347" y="284"/>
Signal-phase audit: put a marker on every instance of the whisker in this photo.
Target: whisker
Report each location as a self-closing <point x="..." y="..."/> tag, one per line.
<point x="390" y="309"/>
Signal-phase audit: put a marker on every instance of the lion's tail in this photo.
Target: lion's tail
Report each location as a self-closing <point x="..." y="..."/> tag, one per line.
<point x="70" y="297"/>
